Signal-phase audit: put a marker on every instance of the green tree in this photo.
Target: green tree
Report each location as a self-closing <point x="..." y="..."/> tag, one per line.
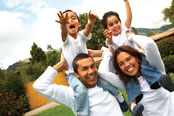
<point x="168" y="13"/>
<point x="98" y="39"/>
<point x="53" y="55"/>
<point x="37" y="55"/>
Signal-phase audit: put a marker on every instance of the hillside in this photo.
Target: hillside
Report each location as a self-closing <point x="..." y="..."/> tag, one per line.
<point x="147" y="31"/>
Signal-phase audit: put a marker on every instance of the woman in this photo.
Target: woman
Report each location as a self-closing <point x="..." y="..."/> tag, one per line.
<point x="156" y="100"/>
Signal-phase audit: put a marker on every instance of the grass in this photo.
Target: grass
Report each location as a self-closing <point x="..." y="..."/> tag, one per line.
<point x="62" y="110"/>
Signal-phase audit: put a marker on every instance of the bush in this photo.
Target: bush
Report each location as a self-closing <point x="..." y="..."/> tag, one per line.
<point x="169" y="63"/>
<point x="13" y="100"/>
<point x="166" y="47"/>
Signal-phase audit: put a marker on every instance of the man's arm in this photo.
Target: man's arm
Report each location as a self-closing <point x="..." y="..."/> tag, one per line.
<point x="91" y="20"/>
<point x="63" y="19"/>
<point x="129" y="14"/>
<point x="57" y="93"/>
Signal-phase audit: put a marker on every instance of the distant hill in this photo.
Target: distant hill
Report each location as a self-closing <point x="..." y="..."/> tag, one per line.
<point x="14" y="66"/>
<point x="146" y="31"/>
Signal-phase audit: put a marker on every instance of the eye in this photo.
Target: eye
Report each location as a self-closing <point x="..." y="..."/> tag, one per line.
<point x="120" y="63"/>
<point x="84" y="68"/>
<point x="116" y="21"/>
<point x="73" y="18"/>
<point x="128" y="58"/>
<point x="110" y="24"/>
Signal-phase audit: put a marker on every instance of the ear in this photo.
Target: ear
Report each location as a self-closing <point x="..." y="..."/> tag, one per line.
<point x="77" y="75"/>
<point x="80" y="24"/>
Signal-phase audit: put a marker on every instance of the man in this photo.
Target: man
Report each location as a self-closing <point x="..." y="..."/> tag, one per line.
<point x="101" y="103"/>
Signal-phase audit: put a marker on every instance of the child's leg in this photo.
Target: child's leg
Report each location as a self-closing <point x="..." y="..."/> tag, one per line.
<point x="136" y="109"/>
<point x="151" y="51"/>
<point x="114" y="91"/>
<point x="81" y="103"/>
<point x="152" y="75"/>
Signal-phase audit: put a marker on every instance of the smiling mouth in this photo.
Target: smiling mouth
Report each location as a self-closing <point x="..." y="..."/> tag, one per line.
<point x="72" y="26"/>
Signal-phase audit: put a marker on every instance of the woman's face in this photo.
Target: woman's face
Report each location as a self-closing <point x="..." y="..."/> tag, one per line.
<point x="128" y="64"/>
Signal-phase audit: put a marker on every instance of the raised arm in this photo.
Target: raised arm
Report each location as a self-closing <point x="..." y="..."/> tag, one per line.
<point x="63" y="20"/>
<point x="129" y="14"/>
<point x="106" y="71"/>
<point x="91" y="20"/>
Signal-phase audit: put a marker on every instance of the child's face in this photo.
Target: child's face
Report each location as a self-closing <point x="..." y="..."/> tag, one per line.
<point x="114" y="25"/>
<point x="73" y="24"/>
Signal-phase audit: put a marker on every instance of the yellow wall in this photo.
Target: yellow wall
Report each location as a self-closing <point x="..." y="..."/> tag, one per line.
<point x="36" y="100"/>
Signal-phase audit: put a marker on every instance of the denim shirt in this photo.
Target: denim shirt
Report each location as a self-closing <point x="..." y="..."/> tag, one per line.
<point x="149" y="73"/>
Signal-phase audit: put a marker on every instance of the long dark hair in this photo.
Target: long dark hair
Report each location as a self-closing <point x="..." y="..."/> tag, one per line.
<point x="124" y="77"/>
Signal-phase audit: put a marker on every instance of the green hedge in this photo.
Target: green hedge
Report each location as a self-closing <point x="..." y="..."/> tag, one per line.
<point x="169" y="63"/>
<point x="166" y="47"/>
<point x="13" y="100"/>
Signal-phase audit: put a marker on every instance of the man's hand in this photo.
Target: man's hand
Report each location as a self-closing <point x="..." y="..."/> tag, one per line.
<point x="61" y="65"/>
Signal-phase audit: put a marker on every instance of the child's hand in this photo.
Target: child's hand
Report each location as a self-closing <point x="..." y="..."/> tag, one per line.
<point x="91" y="18"/>
<point x="63" y="19"/>
<point x="107" y="34"/>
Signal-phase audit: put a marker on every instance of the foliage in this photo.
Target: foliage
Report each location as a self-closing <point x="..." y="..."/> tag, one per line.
<point x="169" y="63"/>
<point x="168" y="13"/>
<point x="37" y="55"/>
<point x="53" y="55"/>
<point x="30" y="72"/>
<point x="98" y="39"/>
<point x="166" y="47"/>
<point x="13" y="100"/>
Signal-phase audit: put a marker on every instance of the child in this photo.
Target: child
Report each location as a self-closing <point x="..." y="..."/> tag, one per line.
<point x="74" y="42"/>
<point x="118" y="34"/>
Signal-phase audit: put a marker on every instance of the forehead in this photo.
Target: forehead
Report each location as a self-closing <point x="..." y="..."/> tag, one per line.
<point x="70" y="14"/>
<point x="111" y="18"/>
<point x="122" y="55"/>
<point x="85" y="62"/>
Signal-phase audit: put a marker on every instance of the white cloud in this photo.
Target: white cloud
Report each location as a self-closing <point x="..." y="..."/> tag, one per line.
<point x="146" y="13"/>
<point x="17" y="36"/>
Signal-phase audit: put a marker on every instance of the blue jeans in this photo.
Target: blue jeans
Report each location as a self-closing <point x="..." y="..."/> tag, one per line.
<point x="81" y="103"/>
<point x="149" y="73"/>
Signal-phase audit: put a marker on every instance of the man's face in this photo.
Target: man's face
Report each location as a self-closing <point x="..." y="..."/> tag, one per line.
<point x="87" y="72"/>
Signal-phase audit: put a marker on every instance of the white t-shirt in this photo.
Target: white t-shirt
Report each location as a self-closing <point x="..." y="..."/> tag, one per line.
<point x="101" y="102"/>
<point x="121" y="39"/>
<point x="156" y="102"/>
<point x="72" y="47"/>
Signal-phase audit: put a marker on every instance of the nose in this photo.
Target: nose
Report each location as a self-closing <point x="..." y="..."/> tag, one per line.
<point x="90" y="71"/>
<point x="126" y="64"/>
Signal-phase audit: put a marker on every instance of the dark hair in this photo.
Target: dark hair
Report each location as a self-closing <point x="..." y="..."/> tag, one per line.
<point x="124" y="77"/>
<point x="79" y="57"/>
<point x="107" y="15"/>
<point x="68" y="10"/>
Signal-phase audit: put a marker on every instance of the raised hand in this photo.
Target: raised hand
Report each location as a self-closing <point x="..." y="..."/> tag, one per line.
<point x="91" y="18"/>
<point x="107" y="34"/>
<point x="63" y="19"/>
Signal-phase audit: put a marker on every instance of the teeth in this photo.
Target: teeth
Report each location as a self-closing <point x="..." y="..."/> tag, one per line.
<point x="91" y="77"/>
<point x="130" y="69"/>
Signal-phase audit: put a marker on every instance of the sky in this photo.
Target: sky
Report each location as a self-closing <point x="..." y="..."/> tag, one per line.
<point x="23" y="22"/>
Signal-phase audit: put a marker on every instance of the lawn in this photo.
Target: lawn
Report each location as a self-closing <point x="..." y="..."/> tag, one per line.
<point x="62" y="110"/>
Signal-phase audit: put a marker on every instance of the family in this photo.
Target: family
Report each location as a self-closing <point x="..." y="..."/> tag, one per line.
<point x="131" y="63"/>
